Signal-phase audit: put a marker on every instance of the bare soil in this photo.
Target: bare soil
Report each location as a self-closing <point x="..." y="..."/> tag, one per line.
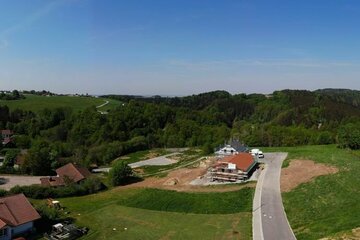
<point x="180" y="179"/>
<point x="302" y="171"/>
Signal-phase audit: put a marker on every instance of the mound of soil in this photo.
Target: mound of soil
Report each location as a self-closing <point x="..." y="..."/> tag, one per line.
<point x="302" y="171"/>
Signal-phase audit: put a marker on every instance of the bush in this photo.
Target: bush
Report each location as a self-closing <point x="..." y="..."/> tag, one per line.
<point x="120" y="173"/>
<point x="89" y="186"/>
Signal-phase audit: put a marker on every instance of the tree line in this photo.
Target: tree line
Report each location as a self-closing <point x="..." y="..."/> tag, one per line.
<point x="284" y="118"/>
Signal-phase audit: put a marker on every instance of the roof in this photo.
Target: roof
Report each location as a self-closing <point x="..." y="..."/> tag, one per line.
<point x="74" y="172"/>
<point x="243" y="161"/>
<point x="16" y="210"/>
<point x="6" y="141"/>
<point x="52" y="181"/>
<point x="236" y="144"/>
<point x="6" y="132"/>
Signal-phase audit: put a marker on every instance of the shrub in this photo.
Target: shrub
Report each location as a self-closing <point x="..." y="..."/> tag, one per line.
<point x="120" y="173"/>
<point x="89" y="186"/>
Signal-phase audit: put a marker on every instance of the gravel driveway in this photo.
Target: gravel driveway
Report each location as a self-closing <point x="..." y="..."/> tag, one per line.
<point x="13" y="180"/>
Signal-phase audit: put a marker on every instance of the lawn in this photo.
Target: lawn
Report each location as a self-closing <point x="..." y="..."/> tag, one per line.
<point x="176" y="215"/>
<point x="329" y="204"/>
<point x="36" y="103"/>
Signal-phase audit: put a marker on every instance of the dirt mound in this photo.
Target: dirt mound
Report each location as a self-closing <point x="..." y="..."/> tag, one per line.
<point x="171" y="182"/>
<point x="302" y="171"/>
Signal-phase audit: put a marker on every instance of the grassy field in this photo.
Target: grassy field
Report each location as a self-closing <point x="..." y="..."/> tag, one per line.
<point x="36" y="103"/>
<point x="330" y="204"/>
<point x="178" y="215"/>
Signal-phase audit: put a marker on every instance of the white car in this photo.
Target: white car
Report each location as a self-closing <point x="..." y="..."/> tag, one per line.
<point x="260" y="154"/>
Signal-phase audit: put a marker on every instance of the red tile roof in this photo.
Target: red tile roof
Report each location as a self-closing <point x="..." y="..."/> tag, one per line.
<point x="52" y="181"/>
<point x="75" y="173"/>
<point x="16" y="210"/>
<point x="243" y="161"/>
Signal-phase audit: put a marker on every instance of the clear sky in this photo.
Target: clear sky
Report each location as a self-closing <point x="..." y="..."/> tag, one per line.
<point x="179" y="47"/>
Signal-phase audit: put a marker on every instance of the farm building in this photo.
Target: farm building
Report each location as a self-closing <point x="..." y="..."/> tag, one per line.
<point x="231" y="148"/>
<point x="17" y="216"/>
<point x="66" y="174"/>
<point x="234" y="168"/>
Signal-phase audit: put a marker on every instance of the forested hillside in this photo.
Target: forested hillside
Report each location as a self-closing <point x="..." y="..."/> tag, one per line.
<point x="284" y="118"/>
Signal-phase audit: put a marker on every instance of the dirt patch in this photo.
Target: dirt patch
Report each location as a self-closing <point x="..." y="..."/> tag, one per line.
<point x="302" y="171"/>
<point x="354" y="235"/>
<point x="151" y="155"/>
<point x="180" y="180"/>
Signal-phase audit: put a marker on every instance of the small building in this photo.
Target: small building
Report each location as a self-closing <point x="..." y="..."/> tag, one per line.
<point x="234" y="168"/>
<point x="17" y="217"/>
<point x="70" y="173"/>
<point x="6" y="137"/>
<point x="231" y="148"/>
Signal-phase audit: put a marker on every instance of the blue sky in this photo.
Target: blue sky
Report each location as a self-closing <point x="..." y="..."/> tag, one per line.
<point x="178" y="47"/>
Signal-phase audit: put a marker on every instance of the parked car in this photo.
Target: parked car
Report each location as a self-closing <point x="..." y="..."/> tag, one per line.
<point x="260" y="154"/>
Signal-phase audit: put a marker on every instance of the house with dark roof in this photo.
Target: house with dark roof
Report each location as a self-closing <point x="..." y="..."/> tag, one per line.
<point x="231" y="148"/>
<point x="234" y="168"/>
<point x="70" y="173"/>
<point x="17" y="216"/>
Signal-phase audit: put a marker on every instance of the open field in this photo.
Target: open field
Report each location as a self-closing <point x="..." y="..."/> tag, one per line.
<point x="327" y="205"/>
<point x="177" y="215"/>
<point x="36" y="103"/>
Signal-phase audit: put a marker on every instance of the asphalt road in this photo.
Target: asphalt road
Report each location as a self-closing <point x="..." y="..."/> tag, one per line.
<point x="270" y="221"/>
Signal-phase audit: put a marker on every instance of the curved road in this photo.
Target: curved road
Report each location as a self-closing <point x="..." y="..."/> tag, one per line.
<point x="269" y="218"/>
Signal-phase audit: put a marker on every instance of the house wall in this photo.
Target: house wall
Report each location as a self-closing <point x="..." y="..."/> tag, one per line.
<point x="22" y="228"/>
<point x="8" y="235"/>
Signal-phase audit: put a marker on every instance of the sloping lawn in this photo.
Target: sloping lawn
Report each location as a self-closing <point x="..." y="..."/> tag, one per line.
<point x="329" y="204"/>
<point x="175" y="218"/>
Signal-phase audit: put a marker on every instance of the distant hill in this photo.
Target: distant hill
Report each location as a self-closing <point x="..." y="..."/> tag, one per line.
<point x="36" y="102"/>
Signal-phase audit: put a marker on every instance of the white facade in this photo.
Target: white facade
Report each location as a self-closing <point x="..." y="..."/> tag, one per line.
<point x="227" y="150"/>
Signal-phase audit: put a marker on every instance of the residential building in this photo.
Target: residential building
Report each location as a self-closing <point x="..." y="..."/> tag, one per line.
<point x="70" y="173"/>
<point x="234" y="168"/>
<point x="17" y="217"/>
<point x="231" y="148"/>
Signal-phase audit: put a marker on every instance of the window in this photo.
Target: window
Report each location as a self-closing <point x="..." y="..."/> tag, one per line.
<point x="3" y="232"/>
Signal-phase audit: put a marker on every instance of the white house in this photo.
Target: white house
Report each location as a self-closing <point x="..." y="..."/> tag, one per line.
<point x="231" y="148"/>
<point x="17" y="216"/>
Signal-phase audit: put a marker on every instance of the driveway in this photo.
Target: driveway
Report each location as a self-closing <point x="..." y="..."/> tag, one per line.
<point x="13" y="180"/>
<point x="269" y="218"/>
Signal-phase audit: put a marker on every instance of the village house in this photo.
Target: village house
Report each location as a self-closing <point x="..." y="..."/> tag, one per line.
<point x="70" y="173"/>
<point x="234" y="168"/>
<point x="17" y="217"/>
<point x="231" y="148"/>
<point x="6" y="137"/>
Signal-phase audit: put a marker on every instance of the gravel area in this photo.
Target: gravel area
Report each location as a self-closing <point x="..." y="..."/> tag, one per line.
<point x="158" y="161"/>
<point x="13" y="180"/>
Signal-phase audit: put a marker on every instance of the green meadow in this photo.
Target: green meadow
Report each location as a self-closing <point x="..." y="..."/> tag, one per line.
<point x="36" y="103"/>
<point x="328" y="205"/>
<point x="157" y="214"/>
